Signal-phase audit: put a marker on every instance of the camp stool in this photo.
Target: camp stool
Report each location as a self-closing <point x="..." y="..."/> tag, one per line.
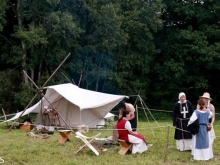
<point x="87" y="143"/>
<point x="125" y="147"/>
<point x="65" y="135"/>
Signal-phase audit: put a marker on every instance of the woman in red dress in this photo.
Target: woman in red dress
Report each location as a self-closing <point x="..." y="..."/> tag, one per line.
<point x="125" y="133"/>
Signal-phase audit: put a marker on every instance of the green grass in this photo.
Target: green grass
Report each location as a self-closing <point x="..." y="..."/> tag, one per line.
<point x="16" y="148"/>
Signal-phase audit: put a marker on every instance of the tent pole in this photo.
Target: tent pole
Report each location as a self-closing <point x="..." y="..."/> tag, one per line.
<point x="12" y="126"/>
<point x="73" y="82"/>
<point x="137" y="97"/>
<point x="141" y="101"/>
<point x="80" y="79"/>
<point x="68" y="79"/>
<point x="4" y="116"/>
<point x="42" y="95"/>
<point x="80" y="115"/>
<point x="57" y="111"/>
<point x="136" y="112"/>
<point x="41" y="108"/>
<point x="7" y="115"/>
<point x="56" y="70"/>
<point x="38" y="90"/>
<point x="150" y="114"/>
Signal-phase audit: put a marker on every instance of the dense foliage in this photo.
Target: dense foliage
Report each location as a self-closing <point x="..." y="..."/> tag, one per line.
<point x="154" y="48"/>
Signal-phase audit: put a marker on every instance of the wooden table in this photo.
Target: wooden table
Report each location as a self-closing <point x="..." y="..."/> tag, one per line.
<point x="64" y="135"/>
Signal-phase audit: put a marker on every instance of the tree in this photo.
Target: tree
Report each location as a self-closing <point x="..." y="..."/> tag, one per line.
<point x="3" y="8"/>
<point x="140" y="22"/>
<point x="39" y="36"/>
<point x="101" y="36"/>
<point x="189" y="50"/>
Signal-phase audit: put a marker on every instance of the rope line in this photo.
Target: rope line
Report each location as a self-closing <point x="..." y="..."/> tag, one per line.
<point x="101" y="129"/>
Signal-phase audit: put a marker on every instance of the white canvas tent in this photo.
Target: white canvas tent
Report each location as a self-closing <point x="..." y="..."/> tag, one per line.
<point x="77" y="106"/>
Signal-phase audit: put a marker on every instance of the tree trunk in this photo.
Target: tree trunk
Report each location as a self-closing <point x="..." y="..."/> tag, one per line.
<point x="98" y="75"/>
<point x="86" y="78"/>
<point x="84" y="73"/>
<point x="39" y="72"/>
<point x="32" y="76"/>
<point x="22" y="43"/>
<point x="105" y="80"/>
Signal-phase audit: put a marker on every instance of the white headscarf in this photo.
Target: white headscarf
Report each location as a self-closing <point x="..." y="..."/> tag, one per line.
<point x="181" y="94"/>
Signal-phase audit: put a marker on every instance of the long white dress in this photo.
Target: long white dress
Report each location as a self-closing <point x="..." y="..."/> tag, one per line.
<point x="201" y="154"/>
<point x="184" y="144"/>
<point x="212" y="134"/>
<point x="139" y="145"/>
<point x="212" y="131"/>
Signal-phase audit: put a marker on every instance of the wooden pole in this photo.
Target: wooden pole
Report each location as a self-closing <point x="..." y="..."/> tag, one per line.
<point x="47" y="99"/>
<point x="39" y="90"/>
<point x="137" y="97"/>
<point x="12" y="126"/>
<point x="56" y="111"/>
<point x="56" y="70"/>
<point x="7" y="115"/>
<point x="30" y="80"/>
<point x="4" y="116"/>
<point x="73" y="82"/>
<point x="80" y="79"/>
<point x="49" y="77"/>
<point x="145" y="107"/>
<point x="136" y="113"/>
<point x="166" y="150"/>
<point x="68" y="79"/>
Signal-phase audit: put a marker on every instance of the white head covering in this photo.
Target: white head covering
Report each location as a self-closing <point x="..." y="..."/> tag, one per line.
<point x="181" y="94"/>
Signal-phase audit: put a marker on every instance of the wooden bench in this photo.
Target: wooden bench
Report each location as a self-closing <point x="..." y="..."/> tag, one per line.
<point x="125" y="147"/>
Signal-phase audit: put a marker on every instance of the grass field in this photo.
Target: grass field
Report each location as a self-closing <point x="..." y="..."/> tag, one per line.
<point x="16" y="148"/>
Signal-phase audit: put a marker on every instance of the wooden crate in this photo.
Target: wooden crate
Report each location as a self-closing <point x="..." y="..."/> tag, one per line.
<point x="26" y="127"/>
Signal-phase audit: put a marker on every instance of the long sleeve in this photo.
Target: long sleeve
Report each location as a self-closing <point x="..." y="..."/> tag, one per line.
<point x="192" y="118"/>
<point x="193" y="124"/>
<point x="210" y="115"/>
<point x="128" y="126"/>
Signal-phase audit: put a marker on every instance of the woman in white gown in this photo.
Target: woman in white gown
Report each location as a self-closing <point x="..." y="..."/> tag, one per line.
<point x="201" y="142"/>
<point x="208" y="105"/>
<point x="125" y="133"/>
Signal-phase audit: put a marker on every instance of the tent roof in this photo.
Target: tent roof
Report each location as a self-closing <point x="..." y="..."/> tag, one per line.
<point x="84" y="98"/>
